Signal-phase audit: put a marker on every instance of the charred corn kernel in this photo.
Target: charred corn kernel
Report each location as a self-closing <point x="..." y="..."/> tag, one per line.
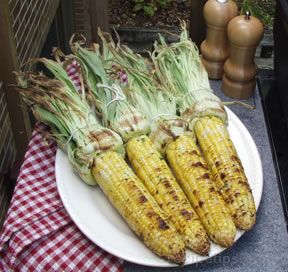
<point x="152" y="169"/>
<point x="227" y="170"/>
<point x="193" y="175"/>
<point x="132" y="200"/>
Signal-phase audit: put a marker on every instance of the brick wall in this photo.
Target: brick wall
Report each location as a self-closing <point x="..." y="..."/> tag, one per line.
<point x="7" y="153"/>
<point x="82" y="18"/>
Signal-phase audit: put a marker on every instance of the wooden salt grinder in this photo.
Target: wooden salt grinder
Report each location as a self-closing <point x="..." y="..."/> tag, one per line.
<point x="244" y="33"/>
<point x="215" y="49"/>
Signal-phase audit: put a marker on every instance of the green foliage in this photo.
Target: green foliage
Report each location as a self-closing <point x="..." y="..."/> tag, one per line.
<point x="149" y="7"/>
<point x="264" y="10"/>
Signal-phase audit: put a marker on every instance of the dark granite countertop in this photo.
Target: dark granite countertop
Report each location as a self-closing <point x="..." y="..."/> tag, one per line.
<point x="265" y="247"/>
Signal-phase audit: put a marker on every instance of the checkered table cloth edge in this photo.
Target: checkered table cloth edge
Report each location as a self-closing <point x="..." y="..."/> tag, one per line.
<point x="38" y="234"/>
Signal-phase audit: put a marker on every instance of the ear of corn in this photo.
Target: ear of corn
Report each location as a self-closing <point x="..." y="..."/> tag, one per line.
<point x="179" y="67"/>
<point x="152" y="169"/>
<point x="57" y="103"/>
<point x="129" y="196"/>
<point x="193" y="175"/>
<point x="227" y="170"/>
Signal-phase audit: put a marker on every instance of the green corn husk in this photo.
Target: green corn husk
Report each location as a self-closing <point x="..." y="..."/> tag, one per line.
<point x="57" y="103"/>
<point x="144" y="93"/>
<point x="178" y="66"/>
<point x="109" y="97"/>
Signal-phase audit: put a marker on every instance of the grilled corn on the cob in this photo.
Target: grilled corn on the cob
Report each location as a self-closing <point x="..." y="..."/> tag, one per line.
<point x="193" y="175"/>
<point x="146" y="95"/>
<point x="132" y="125"/>
<point x="227" y="170"/>
<point x="152" y="169"/>
<point x="129" y="196"/>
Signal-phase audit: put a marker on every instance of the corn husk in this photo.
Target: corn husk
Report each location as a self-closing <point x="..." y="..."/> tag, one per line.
<point x="144" y="92"/>
<point x="57" y="103"/>
<point x="109" y="97"/>
<point x="178" y="66"/>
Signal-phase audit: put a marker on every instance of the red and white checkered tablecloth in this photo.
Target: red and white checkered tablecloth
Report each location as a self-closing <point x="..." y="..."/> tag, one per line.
<point x="38" y="234"/>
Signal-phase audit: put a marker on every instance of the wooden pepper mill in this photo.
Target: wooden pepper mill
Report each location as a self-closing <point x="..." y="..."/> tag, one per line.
<point x="244" y="33"/>
<point x="215" y="49"/>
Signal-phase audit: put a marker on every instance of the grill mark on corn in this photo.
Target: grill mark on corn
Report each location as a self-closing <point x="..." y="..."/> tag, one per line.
<point x="131" y="185"/>
<point x="201" y="203"/>
<point x="195" y="192"/>
<point x="205" y="176"/>
<point x="222" y="176"/>
<point x="163" y="145"/>
<point x="162" y="224"/>
<point x="193" y="152"/>
<point x="236" y="158"/>
<point x="227" y="190"/>
<point x="199" y="164"/>
<point x="166" y="183"/>
<point x="151" y="214"/>
<point x="142" y="199"/>
<point x="217" y="163"/>
<point x="186" y="214"/>
<point x="237" y="194"/>
<point x="174" y="195"/>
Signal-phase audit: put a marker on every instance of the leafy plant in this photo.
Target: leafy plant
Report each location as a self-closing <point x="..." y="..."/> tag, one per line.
<point x="149" y="7"/>
<point x="263" y="10"/>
